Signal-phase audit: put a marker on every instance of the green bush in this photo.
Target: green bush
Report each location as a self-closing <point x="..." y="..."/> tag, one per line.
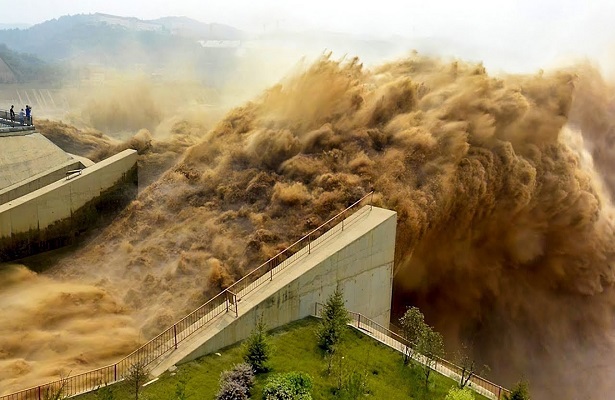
<point x="459" y="394"/>
<point x="289" y="386"/>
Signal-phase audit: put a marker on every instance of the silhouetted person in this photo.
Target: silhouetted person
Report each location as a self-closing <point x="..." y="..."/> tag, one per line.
<point x="12" y="116"/>
<point x="28" y="119"/>
<point x="21" y="116"/>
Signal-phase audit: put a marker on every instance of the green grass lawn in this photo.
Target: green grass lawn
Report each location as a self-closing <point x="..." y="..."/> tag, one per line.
<point x="295" y="349"/>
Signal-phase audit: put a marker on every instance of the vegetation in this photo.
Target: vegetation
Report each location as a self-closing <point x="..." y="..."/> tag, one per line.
<point x="289" y="386"/>
<point x="459" y="394"/>
<point x="425" y="340"/>
<point x="137" y="375"/>
<point x="56" y="391"/>
<point x="464" y="359"/>
<point x="257" y="348"/>
<point x="430" y="345"/>
<point x="412" y="322"/>
<point x="180" y="390"/>
<point x="236" y="383"/>
<point x="27" y="67"/>
<point x="333" y="323"/>
<point x="356" y="386"/>
<point x="105" y="393"/>
<point x="519" y="392"/>
<point x="297" y="350"/>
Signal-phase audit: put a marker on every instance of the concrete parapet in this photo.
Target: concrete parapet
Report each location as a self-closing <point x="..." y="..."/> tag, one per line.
<point x="358" y="259"/>
<point x="53" y="215"/>
<point x="38" y="181"/>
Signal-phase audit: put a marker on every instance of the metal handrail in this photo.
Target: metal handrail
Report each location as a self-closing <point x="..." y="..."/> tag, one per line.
<point x="373" y="328"/>
<point x="6" y="116"/>
<point x="170" y="338"/>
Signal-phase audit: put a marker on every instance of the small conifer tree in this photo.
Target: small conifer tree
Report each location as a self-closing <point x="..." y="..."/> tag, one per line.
<point x="257" y="348"/>
<point x="334" y="320"/>
<point x="519" y="392"/>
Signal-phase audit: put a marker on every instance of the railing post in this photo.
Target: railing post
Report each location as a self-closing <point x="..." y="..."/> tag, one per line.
<point x="226" y="297"/>
<point x="309" y="244"/>
<point x="39" y="393"/>
<point x="359" y="322"/>
<point x="371" y="200"/>
<point x="499" y="392"/>
<point x="114" y="372"/>
<point x="175" y="334"/>
<point x="315" y="309"/>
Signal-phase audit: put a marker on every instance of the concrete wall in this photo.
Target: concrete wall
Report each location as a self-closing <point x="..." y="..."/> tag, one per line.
<point x="359" y="260"/>
<point x="38" y="181"/>
<point x="49" y="216"/>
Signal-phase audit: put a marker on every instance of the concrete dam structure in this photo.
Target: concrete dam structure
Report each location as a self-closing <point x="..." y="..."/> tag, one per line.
<point x="48" y="197"/>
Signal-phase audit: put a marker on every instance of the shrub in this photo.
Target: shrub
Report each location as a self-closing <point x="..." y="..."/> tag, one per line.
<point x="289" y="386"/>
<point x="242" y="374"/>
<point x="356" y="386"/>
<point x="231" y="390"/>
<point x="459" y="394"/>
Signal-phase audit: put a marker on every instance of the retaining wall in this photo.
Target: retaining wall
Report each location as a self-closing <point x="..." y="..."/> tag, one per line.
<point x="38" y="181"/>
<point x="359" y="260"/>
<point x="54" y="215"/>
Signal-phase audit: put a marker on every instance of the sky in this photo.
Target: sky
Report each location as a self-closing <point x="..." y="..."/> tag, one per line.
<point x="541" y="31"/>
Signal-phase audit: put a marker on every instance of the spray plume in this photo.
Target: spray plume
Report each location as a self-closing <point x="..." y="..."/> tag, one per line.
<point x="505" y="224"/>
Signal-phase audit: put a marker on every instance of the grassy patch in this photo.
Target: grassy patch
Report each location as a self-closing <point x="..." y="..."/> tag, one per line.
<point x="295" y="349"/>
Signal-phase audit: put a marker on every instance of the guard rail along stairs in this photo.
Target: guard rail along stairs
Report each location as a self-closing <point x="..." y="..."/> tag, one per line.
<point x="224" y="302"/>
<point x="392" y="337"/>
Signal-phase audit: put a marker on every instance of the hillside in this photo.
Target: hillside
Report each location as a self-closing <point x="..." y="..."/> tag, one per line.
<point x="295" y="349"/>
<point x="21" y="67"/>
<point x="108" y="39"/>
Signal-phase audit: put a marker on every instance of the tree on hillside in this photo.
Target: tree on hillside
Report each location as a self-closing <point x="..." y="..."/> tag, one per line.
<point x="257" y="348"/>
<point x="136" y="377"/>
<point x="520" y="392"/>
<point x="465" y="360"/>
<point x="412" y="325"/>
<point x="431" y="346"/>
<point x="422" y="339"/>
<point x="334" y="320"/>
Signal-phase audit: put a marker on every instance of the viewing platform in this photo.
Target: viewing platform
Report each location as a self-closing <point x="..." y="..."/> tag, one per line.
<point x="16" y="127"/>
